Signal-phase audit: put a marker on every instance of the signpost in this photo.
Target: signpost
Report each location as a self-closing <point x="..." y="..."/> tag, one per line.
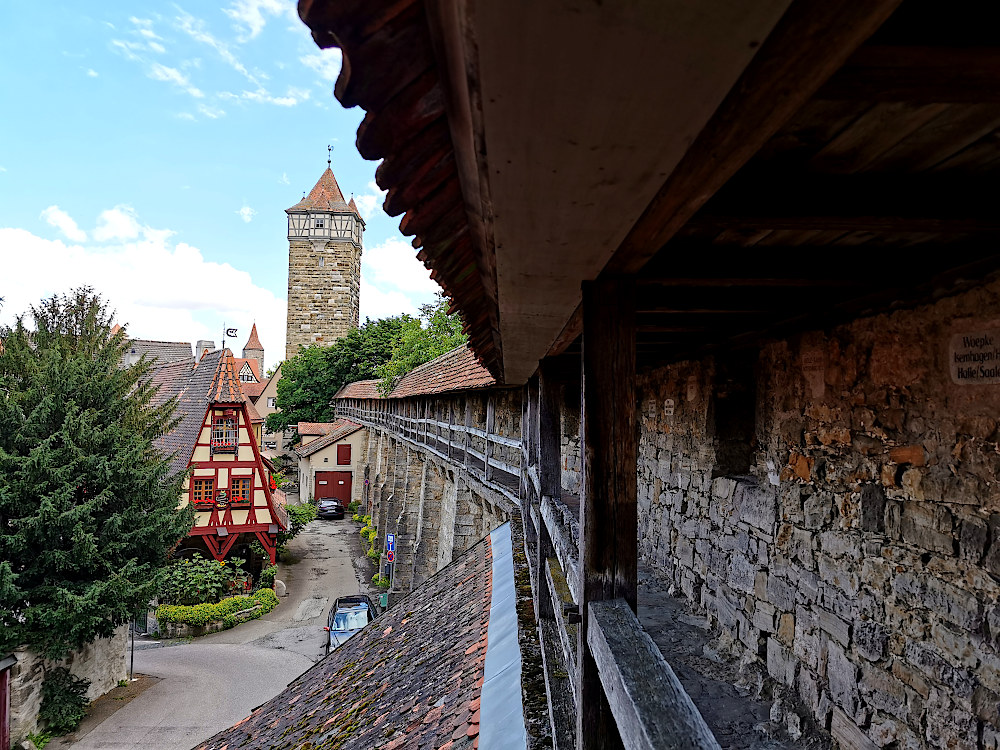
<point x="390" y="554"/>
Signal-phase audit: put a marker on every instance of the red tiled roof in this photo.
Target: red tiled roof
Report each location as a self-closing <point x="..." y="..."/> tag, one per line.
<point x="325" y="196"/>
<point x="354" y="207"/>
<point x="253" y="390"/>
<point x="225" y="386"/>
<point x="457" y="370"/>
<point x="238" y="363"/>
<point x="340" y="429"/>
<point x="252" y="413"/>
<point x="413" y="678"/>
<point x="253" y="342"/>
<point x="359" y="389"/>
<point x="315" y="428"/>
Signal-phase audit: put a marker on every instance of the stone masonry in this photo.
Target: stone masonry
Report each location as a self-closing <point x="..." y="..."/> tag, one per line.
<point x="324" y="292"/>
<point x="854" y="550"/>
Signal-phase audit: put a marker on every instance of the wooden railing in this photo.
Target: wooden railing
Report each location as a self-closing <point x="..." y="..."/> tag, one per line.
<point x="648" y="703"/>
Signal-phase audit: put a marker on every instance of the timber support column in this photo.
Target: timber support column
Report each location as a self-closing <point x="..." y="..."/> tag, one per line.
<point x="547" y="440"/>
<point x="608" y="511"/>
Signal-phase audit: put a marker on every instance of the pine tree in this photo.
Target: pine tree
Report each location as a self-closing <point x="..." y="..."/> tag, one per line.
<point x="88" y="508"/>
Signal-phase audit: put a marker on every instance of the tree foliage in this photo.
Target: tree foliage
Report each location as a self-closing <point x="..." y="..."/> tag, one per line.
<point x="88" y="507"/>
<point x="435" y="333"/>
<point x="310" y="379"/>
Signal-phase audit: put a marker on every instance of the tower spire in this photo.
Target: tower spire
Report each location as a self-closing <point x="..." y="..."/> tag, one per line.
<point x="329" y="155"/>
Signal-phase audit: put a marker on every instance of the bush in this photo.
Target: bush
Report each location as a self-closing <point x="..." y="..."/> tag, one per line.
<point x="373" y="554"/>
<point x="298" y="517"/>
<point x="202" y="614"/>
<point x="380" y="580"/>
<point x="354" y="505"/>
<point x="266" y="577"/>
<point x="201" y="581"/>
<point x="64" y="701"/>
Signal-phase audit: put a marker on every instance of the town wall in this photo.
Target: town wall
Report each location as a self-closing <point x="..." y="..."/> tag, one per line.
<point x="103" y="662"/>
<point x="832" y="502"/>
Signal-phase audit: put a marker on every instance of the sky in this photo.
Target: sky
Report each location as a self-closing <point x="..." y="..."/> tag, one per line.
<point x="149" y="150"/>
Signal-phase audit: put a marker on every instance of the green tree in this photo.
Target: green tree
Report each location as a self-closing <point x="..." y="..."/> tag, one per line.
<point x="435" y="333"/>
<point x="310" y="379"/>
<point x="88" y="507"/>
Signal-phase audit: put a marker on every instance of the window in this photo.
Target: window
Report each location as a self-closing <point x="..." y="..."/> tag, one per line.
<point x="319" y="223"/>
<point x="322" y="262"/>
<point x="202" y="490"/>
<point x="246" y="374"/>
<point x="271" y="402"/>
<point x="239" y="490"/>
<point x="343" y="455"/>
<point x="224" y="433"/>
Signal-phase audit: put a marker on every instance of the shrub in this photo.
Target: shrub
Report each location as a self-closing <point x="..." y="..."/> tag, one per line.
<point x="266" y="577"/>
<point x="373" y="554"/>
<point x="354" y="505"/>
<point x="40" y="740"/>
<point x="202" y="614"/>
<point x="298" y="517"/>
<point x="201" y="581"/>
<point x="380" y="580"/>
<point x="64" y="701"/>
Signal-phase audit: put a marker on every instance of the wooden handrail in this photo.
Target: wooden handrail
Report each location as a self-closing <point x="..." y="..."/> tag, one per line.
<point x="648" y="702"/>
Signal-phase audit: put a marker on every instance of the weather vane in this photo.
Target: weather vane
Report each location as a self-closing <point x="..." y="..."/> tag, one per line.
<point x="329" y="155"/>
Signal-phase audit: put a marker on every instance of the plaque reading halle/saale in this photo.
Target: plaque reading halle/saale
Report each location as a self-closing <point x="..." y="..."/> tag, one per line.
<point x="974" y="358"/>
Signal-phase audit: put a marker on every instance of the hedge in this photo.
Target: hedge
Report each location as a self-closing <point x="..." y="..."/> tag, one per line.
<point x="202" y="614"/>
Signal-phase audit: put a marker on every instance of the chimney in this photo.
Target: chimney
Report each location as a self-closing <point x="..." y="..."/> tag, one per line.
<point x="200" y="347"/>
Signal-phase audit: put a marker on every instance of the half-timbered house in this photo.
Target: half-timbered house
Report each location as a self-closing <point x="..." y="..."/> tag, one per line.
<point x="217" y="441"/>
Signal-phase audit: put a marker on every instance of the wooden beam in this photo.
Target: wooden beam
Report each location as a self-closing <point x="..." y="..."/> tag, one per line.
<point x="919" y="75"/>
<point x="808" y="45"/>
<point x="651" y="707"/>
<point x="608" y="509"/>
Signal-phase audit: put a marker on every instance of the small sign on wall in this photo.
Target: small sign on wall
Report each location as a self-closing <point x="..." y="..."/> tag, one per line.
<point x="974" y="358"/>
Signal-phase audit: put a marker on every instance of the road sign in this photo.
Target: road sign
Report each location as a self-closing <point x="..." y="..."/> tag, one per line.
<point x="390" y="556"/>
<point x="390" y="542"/>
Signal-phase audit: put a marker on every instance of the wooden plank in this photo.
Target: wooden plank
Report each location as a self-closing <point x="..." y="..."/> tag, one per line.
<point x="562" y="544"/>
<point x="489" y="430"/>
<point x="899" y="73"/>
<point x="650" y="706"/>
<point x="548" y="431"/>
<point x="810" y="43"/>
<point x="608" y="510"/>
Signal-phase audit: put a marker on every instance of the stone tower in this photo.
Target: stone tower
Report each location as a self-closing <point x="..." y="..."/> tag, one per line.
<point x="324" y="266"/>
<point x="253" y="349"/>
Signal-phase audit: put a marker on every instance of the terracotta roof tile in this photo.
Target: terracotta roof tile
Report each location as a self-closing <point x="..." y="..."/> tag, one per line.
<point x="359" y="389"/>
<point x="226" y="384"/>
<point x="457" y="370"/>
<point x="392" y="684"/>
<point x="253" y="342"/>
<point x="315" y="428"/>
<point x="238" y="363"/>
<point x="325" y="196"/>
<point x="339" y="430"/>
<point x="253" y="390"/>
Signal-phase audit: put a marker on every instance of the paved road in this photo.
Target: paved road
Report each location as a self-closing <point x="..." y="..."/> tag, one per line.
<point x="218" y="679"/>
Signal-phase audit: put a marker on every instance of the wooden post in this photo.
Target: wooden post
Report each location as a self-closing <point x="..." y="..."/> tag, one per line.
<point x="451" y="425"/>
<point x="608" y="510"/>
<point x="468" y="423"/>
<point x="547" y="436"/>
<point x="489" y="430"/>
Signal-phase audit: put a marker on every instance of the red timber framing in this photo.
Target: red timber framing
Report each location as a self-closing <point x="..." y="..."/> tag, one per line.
<point x="220" y="522"/>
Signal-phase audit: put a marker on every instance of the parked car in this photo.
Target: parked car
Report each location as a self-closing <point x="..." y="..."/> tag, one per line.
<point x="347" y="616"/>
<point x="330" y="508"/>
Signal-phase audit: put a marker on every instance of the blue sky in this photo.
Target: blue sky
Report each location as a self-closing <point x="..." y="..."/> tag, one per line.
<point x="150" y="150"/>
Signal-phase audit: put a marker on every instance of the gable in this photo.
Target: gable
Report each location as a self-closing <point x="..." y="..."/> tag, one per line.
<point x="247" y="374"/>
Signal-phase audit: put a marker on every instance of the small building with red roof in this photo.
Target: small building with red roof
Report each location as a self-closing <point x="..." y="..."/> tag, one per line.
<point x="330" y="459"/>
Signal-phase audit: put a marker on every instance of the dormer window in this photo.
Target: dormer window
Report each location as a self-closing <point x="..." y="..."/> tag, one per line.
<point x="246" y="374"/>
<point x="224" y="432"/>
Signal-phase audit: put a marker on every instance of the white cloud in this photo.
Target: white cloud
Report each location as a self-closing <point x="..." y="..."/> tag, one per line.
<point x="157" y="47"/>
<point x="185" y="116"/>
<point x="283" y="180"/>
<point x="160" y="72"/>
<point x="252" y="15"/>
<point x="393" y="266"/>
<point x="129" y="49"/>
<point x="376" y="303"/>
<point x="64" y="223"/>
<point x="246" y="213"/>
<point x="91" y="73"/>
<point x="118" y="223"/>
<point x="369" y="202"/>
<point x="195" y="28"/>
<point x="3" y="169"/>
<point x="156" y="287"/>
<point x="263" y="96"/>
<point x="326" y="62"/>
<point x="212" y="112"/>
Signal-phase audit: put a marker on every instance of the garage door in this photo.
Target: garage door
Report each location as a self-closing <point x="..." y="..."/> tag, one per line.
<point x="333" y="484"/>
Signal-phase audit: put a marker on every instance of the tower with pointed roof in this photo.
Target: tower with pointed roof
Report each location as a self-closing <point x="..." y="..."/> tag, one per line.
<point x="325" y="235"/>
<point x="253" y="349"/>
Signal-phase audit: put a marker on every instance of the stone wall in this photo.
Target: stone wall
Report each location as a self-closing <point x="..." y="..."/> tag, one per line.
<point x="323" y="292"/>
<point x="103" y="662"/>
<point x="833" y="504"/>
